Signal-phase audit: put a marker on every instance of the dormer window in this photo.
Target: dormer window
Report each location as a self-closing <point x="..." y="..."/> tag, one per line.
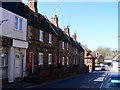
<point x="41" y="36"/>
<point x="63" y="45"/>
<point x="50" y="38"/>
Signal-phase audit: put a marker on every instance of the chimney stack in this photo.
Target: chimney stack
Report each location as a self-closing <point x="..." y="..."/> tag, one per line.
<point x="74" y="37"/>
<point x="32" y="4"/>
<point x="54" y="20"/>
<point x="66" y="30"/>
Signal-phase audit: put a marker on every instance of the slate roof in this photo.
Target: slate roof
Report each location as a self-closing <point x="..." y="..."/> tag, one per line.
<point x="15" y="7"/>
<point x="40" y="21"/>
<point x="84" y="47"/>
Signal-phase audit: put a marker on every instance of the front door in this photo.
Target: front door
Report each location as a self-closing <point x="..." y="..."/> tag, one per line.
<point x="18" y="65"/>
<point x="31" y="62"/>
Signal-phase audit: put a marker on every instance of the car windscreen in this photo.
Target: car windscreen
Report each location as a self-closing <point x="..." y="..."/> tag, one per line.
<point x="113" y="82"/>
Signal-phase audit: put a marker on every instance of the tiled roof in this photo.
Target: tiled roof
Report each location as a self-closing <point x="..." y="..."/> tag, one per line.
<point x="40" y="21"/>
<point x="84" y="47"/>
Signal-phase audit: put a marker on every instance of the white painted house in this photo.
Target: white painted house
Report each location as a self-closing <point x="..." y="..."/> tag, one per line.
<point x="14" y="45"/>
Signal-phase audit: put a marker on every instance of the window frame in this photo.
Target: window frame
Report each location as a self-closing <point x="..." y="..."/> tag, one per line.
<point x="41" y="36"/>
<point x="49" y="58"/>
<point x="50" y="38"/>
<point x="67" y="46"/>
<point x="18" y="23"/>
<point x="67" y="60"/>
<point x="63" y="61"/>
<point x="63" y="45"/>
<point x="41" y="58"/>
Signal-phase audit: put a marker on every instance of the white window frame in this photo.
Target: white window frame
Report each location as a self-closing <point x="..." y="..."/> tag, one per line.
<point x="63" y="61"/>
<point x="40" y="58"/>
<point x="67" y="46"/>
<point x="18" y="23"/>
<point x="41" y="35"/>
<point x="63" y="45"/>
<point x="49" y="58"/>
<point x="50" y="38"/>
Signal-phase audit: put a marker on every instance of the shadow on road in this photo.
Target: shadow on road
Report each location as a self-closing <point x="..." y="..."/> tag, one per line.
<point x="86" y="80"/>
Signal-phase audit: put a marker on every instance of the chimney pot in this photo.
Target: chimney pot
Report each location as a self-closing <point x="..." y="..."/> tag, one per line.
<point x="32" y="4"/>
<point x="54" y="20"/>
<point x="66" y="30"/>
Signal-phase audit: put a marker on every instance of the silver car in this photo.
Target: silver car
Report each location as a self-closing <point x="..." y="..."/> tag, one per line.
<point x="111" y="81"/>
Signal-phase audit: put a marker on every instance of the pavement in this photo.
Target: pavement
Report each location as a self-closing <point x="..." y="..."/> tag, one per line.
<point x="17" y="85"/>
<point x="22" y="84"/>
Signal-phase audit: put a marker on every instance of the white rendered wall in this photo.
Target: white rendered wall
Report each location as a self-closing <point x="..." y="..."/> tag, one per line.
<point x="8" y="27"/>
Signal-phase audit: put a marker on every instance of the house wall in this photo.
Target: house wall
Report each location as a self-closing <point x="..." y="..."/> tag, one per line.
<point x="8" y="27"/>
<point x="56" y="70"/>
<point x="15" y="43"/>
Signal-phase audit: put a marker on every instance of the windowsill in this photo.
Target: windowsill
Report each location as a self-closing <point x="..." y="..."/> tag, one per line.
<point x="40" y="40"/>
<point x="18" y="30"/>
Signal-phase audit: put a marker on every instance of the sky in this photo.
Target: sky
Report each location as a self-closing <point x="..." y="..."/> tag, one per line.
<point x="95" y="23"/>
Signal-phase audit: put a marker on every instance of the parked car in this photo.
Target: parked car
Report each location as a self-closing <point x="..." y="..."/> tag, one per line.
<point x="103" y="68"/>
<point x="101" y="64"/>
<point x="112" y="80"/>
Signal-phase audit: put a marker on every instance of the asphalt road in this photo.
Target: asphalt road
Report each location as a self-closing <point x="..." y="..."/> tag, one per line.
<point x="86" y="80"/>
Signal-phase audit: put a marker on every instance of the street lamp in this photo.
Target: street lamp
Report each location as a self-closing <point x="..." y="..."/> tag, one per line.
<point x="3" y="21"/>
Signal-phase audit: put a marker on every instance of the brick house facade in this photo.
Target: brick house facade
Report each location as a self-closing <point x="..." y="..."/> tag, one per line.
<point x="52" y="53"/>
<point x="89" y="59"/>
<point x="55" y="57"/>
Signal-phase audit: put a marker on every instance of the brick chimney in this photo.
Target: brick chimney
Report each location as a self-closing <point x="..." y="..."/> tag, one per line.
<point x="54" y="20"/>
<point x="74" y="37"/>
<point x="32" y="4"/>
<point x="66" y="30"/>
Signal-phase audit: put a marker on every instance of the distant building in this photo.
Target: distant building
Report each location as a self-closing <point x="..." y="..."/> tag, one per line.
<point x="116" y="63"/>
<point x="108" y="59"/>
<point x="100" y="59"/>
<point x="89" y="59"/>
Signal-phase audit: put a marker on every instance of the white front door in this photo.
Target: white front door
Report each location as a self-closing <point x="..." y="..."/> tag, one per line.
<point x="18" y="65"/>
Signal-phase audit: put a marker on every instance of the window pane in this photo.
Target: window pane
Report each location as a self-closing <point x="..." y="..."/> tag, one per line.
<point x="16" y="23"/>
<point x="20" y="24"/>
<point x="63" y="45"/>
<point x="63" y="61"/>
<point x="49" y="58"/>
<point x="50" y="38"/>
<point x="67" y="60"/>
<point x="41" y="35"/>
<point x="40" y="58"/>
